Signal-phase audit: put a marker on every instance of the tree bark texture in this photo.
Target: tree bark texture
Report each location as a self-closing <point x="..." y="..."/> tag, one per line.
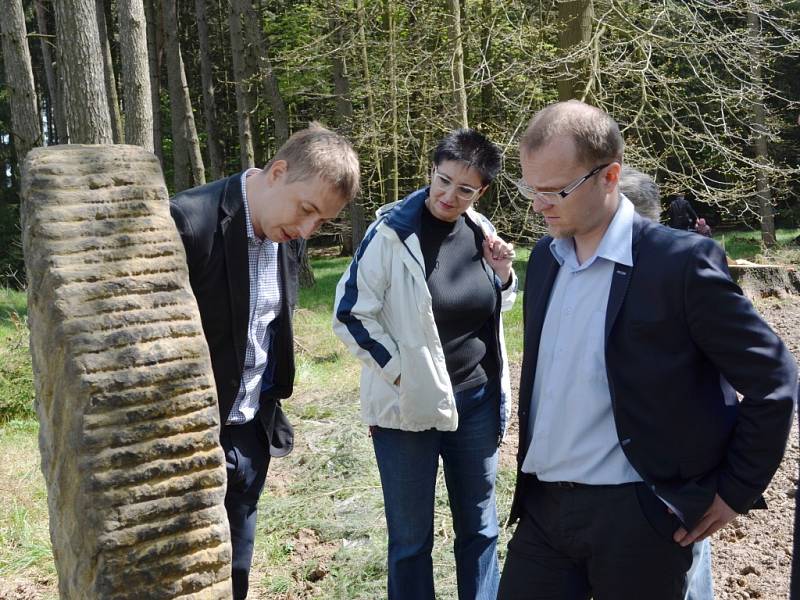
<point x="56" y="102"/>
<point x="108" y="70"/>
<point x="366" y="74"/>
<point x="187" y="160"/>
<point x="242" y="100"/>
<point x="577" y="18"/>
<point x="19" y="79"/>
<point x="154" y="46"/>
<point x="135" y="74"/>
<point x="258" y="47"/>
<point x="459" y="90"/>
<point x="760" y="146"/>
<point x="81" y="64"/>
<point x="344" y="112"/>
<point x="390" y="26"/>
<point x="209" y="100"/>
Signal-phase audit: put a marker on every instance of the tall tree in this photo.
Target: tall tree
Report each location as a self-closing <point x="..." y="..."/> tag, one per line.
<point x="577" y="18"/>
<point x="187" y="160"/>
<point x="459" y="90"/>
<point x="154" y="45"/>
<point x="56" y="102"/>
<point x="760" y="136"/>
<point x="79" y="59"/>
<point x="103" y="27"/>
<point x="19" y="79"/>
<point x="242" y="96"/>
<point x="135" y="74"/>
<point x="366" y="74"/>
<point x="344" y="113"/>
<point x="209" y="100"/>
<point x="258" y="47"/>
<point x="390" y="20"/>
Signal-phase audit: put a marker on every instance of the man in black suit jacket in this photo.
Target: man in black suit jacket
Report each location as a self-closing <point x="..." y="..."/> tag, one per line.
<point x="243" y="238"/>
<point x="632" y="442"/>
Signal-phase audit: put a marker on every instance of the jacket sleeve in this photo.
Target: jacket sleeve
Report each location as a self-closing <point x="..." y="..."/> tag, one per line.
<point x="186" y="233"/>
<point x="358" y="305"/>
<point x="753" y="359"/>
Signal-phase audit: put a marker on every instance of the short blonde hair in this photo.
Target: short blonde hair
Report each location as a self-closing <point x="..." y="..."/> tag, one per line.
<point x="595" y="134"/>
<point x="320" y="152"/>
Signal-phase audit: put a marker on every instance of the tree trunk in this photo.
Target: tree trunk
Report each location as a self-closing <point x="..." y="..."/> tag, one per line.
<point x="209" y="103"/>
<point x="258" y="45"/>
<point x="242" y="103"/>
<point x="305" y="274"/>
<point x="344" y="112"/>
<point x="154" y="46"/>
<point x="56" y="102"/>
<point x="188" y="162"/>
<point x="763" y="192"/>
<point x="108" y="70"/>
<point x="459" y="90"/>
<point x="135" y="74"/>
<point x="576" y="17"/>
<point x="390" y="25"/>
<point x="487" y="99"/>
<point x="81" y="65"/>
<point x="19" y="79"/>
<point x="372" y="138"/>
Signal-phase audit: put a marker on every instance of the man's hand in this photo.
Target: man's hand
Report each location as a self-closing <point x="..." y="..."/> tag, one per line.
<point x="717" y="516"/>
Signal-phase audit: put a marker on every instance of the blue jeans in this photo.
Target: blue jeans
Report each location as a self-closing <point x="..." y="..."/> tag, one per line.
<point x="408" y="462"/>
<point x="699" y="584"/>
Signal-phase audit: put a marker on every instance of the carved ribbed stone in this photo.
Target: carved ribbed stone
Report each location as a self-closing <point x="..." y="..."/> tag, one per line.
<point x="124" y="392"/>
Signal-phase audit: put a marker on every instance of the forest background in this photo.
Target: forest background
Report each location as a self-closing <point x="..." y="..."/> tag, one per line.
<point x="706" y="92"/>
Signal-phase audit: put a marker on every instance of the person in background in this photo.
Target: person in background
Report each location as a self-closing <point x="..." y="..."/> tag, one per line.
<point x="420" y="307"/>
<point x="681" y="213"/>
<point x="643" y="192"/>
<point x="702" y="227"/>
<point x="633" y="443"/>
<point x="242" y="239"/>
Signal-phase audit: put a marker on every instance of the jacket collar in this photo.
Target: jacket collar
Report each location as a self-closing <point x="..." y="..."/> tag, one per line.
<point x="405" y="216"/>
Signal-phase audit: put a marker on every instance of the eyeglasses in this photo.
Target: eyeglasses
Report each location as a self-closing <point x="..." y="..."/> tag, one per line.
<point x="464" y="193"/>
<point x="555" y="197"/>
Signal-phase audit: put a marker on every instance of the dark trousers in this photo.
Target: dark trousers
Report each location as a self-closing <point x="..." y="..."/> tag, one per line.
<point x="246" y="459"/>
<point x="604" y="542"/>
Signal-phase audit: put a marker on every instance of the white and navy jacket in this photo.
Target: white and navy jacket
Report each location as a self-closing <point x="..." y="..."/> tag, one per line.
<point x="383" y="313"/>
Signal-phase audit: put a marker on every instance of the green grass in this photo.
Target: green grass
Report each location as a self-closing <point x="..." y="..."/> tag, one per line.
<point x="747" y="245"/>
<point x="16" y="377"/>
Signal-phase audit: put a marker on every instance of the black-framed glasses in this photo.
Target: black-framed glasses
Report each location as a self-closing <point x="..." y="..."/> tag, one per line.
<point x="556" y="197"/>
<point x="464" y="193"/>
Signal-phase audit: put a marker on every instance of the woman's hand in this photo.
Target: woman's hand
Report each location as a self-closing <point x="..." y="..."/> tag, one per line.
<point x="500" y="256"/>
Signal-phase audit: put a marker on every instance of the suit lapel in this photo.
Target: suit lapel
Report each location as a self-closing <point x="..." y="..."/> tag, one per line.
<point x="234" y="235"/>
<point x="621" y="279"/>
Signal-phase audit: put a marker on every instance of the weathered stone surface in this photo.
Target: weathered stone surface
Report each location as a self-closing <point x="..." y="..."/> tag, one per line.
<point x="124" y="391"/>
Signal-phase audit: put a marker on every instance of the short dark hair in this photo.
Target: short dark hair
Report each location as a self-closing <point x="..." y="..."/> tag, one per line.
<point x="471" y="147"/>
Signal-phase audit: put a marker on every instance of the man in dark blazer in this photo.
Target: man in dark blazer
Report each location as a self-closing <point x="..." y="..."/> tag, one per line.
<point x="633" y="444"/>
<point x="243" y="238"/>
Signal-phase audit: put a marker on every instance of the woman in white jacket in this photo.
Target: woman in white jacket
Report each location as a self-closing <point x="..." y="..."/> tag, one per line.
<point x="420" y="307"/>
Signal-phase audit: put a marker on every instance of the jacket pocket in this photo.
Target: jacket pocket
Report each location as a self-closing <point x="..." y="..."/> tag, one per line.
<point x="425" y="392"/>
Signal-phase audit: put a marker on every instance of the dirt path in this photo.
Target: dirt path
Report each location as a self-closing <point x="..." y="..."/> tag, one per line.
<point x="751" y="557"/>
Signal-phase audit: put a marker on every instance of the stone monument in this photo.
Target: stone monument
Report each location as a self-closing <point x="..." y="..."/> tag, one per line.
<point x="125" y="394"/>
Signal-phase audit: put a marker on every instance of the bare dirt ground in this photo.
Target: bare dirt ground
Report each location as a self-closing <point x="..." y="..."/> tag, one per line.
<point x="752" y="557"/>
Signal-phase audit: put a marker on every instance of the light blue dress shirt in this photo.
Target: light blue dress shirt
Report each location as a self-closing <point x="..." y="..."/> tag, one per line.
<point x="574" y="436"/>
